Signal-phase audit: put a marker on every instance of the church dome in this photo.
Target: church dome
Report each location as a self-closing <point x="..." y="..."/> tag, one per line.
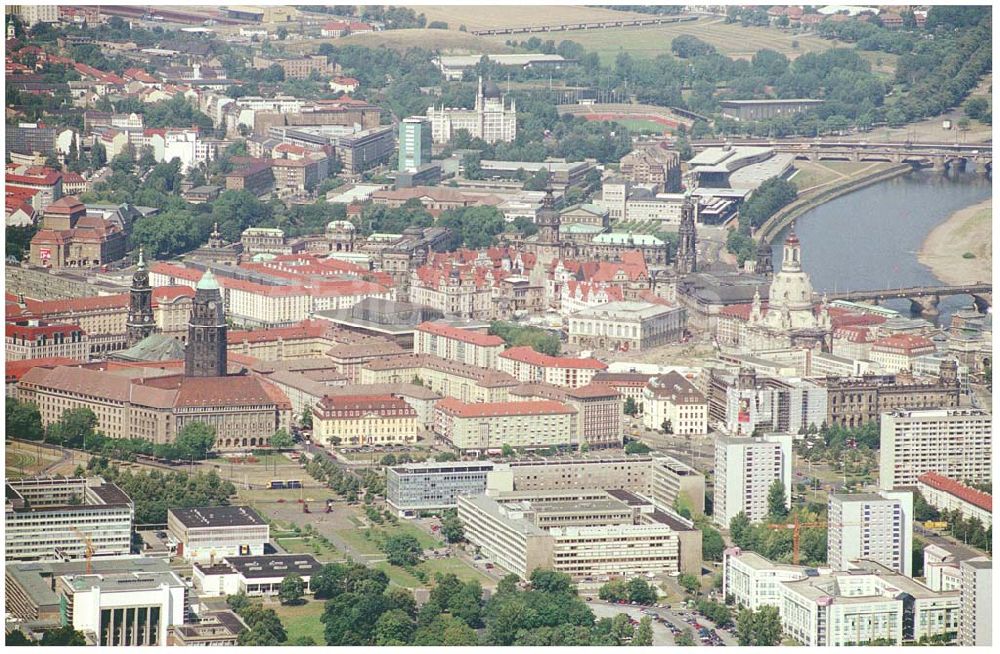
<point x="207" y="282"/>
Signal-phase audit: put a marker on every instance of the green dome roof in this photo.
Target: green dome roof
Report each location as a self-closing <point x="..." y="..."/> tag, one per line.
<point x="207" y="282"/>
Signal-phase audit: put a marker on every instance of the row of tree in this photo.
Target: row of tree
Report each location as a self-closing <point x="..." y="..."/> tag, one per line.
<point x="538" y="339"/>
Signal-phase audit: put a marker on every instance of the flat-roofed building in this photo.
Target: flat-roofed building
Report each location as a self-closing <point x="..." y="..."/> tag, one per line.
<point x="357" y="420"/>
<point x="254" y="576"/>
<point x="488" y="426"/>
<point x="976" y="619"/>
<point x="214" y="628"/>
<point x="215" y="532"/>
<point x="674" y="484"/>
<point x="949" y="495"/>
<point x="124" y="608"/>
<point x="865" y="605"/>
<point x="754" y="581"/>
<point x="432" y="486"/>
<point x="456" y="344"/>
<point x="745" y="469"/>
<point x="751" y="110"/>
<point x="50" y="517"/>
<point x="594" y="471"/>
<point x="627" y="325"/>
<point x="872" y="527"/>
<point x="955" y="443"/>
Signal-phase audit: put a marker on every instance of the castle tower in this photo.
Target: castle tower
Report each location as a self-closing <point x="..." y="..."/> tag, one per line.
<point x="548" y="219"/>
<point x="764" y="264"/>
<point x="215" y="238"/>
<point x="949" y="372"/>
<point x="205" y="355"/>
<point x="687" y="250"/>
<point x="140" y="322"/>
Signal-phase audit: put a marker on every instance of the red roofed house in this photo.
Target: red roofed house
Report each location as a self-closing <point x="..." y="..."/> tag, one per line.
<point x="34" y="341"/>
<point x="527" y="365"/>
<point x="489" y="426"/>
<point x="344" y="84"/>
<point x="897" y="352"/>
<point x="71" y="239"/>
<point x="18" y="208"/>
<point x="947" y="494"/>
<point x="455" y="344"/>
<point x="356" y="420"/>
<point x="17" y="369"/>
<point x="46" y="183"/>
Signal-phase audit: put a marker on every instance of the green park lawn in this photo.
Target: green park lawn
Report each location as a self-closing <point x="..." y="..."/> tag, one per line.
<point x="302" y="620"/>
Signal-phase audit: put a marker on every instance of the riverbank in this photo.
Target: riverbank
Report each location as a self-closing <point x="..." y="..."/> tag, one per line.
<point x="960" y="250"/>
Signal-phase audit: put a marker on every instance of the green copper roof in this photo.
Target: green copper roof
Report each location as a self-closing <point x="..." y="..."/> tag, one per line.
<point x="207" y="282"/>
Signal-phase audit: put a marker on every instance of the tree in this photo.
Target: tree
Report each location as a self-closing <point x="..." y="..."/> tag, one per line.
<point x="977" y="108"/>
<point x="777" y="508"/>
<point x="451" y="529"/>
<point x="65" y="636"/>
<point x="613" y="591"/>
<point x="195" y="441"/>
<point x="307" y="418"/>
<point x="640" y="591"/>
<point x="644" y="634"/>
<point x="506" y="450"/>
<point x="292" y="589"/>
<point x="685" y="638"/>
<point x="394" y="627"/>
<point x="761" y="628"/>
<point x="471" y="167"/>
<point x="98" y="155"/>
<point x="73" y="428"/>
<point x="689" y="583"/>
<point x="712" y="544"/>
<point x="282" y="33"/>
<point x="667" y="426"/>
<point x="24" y="420"/>
<point x="636" y="447"/>
<point x="402" y="550"/>
<point x="631" y="408"/>
<point x="280" y="440"/>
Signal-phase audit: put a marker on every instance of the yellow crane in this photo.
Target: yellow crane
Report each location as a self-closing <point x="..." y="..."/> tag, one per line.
<point x="88" y="546"/>
<point x="796" y="526"/>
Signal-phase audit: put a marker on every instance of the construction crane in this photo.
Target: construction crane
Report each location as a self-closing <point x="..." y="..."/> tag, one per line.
<point x="797" y="527"/>
<point x="88" y="550"/>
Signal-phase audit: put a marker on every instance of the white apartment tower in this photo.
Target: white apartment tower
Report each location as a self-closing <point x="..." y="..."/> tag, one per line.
<point x="976" y="602"/>
<point x="871" y="527"/>
<point x="956" y="443"/>
<point x="745" y="468"/>
<point x="490" y="120"/>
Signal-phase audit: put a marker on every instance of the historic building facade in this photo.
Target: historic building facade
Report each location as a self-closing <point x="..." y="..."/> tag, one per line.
<point x="490" y="120"/>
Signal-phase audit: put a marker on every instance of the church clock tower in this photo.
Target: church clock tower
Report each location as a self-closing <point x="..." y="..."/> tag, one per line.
<point x="687" y="241"/>
<point x="205" y="355"/>
<point x="140" y="323"/>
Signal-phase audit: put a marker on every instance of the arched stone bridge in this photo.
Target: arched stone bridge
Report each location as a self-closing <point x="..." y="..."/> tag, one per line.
<point x="940" y="156"/>
<point x="923" y="299"/>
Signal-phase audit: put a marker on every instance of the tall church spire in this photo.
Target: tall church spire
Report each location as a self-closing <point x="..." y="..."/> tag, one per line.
<point x="687" y="245"/>
<point x="205" y="355"/>
<point x="140" y="322"/>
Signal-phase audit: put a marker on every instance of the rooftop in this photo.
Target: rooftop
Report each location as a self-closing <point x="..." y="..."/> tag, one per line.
<point x="218" y="516"/>
<point x="965" y="493"/>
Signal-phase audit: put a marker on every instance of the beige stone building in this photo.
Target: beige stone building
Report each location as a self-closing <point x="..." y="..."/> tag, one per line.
<point x="674" y="401"/>
<point x="529" y="366"/>
<point x="69" y="238"/>
<point x="354" y="421"/>
<point x="488" y="426"/>
<point x="599" y="420"/>
<point x="627" y="325"/>
<point x="455" y="344"/>
<point x="449" y="378"/>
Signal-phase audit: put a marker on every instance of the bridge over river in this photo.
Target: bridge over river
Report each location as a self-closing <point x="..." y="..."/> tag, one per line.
<point x="940" y="156"/>
<point x="924" y="299"/>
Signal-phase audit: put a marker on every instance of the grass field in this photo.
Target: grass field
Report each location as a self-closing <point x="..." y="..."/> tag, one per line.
<point x="642" y="126"/>
<point x="305" y="545"/>
<point x="458" y="567"/>
<point x="302" y="620"/>
<point x="812" y="174"/>
<point x="445" y="41"/>
<point x="730" y="39"/>
<point x="487" y="16"/>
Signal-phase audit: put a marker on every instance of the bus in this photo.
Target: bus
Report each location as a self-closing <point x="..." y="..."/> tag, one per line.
<point x="277" y="484"/>
<point x="293" y="483"/>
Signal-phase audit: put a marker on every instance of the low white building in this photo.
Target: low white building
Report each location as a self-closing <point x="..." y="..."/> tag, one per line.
<point x="253" y="575"/>
<point x="754" y="581"/>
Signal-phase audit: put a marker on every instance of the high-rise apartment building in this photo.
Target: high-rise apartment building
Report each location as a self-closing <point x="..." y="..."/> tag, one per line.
<point x="414" y="142"/>
<point x="872" y="527"/>
<point x="976" y="603"/>
<point x="745" y="469"/>
<point x="956" y="443"/>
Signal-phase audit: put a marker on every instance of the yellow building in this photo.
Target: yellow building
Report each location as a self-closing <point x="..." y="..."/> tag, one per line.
<point x="355" y="420"/>
<point x="451" y="378"/>
<point x="488" y="426"/>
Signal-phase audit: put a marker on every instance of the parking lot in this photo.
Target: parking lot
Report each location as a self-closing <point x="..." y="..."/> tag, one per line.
<point x="669" y="622"/>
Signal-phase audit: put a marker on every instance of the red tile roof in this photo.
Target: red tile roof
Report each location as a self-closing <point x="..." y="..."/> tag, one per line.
<point x="907" y="342"/>
<point x="304" y="329"/>
<point x="16" y="369"/>
<point x="959" y="490"/>
<point x="525" y="354"/>
<point x="366" y="403"/>
<point x="461" y="409"/>
<point x="464" y="335"/>
<point x="31" y="332"/>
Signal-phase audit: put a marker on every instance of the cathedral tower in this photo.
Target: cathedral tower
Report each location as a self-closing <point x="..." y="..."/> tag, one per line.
<point x="687" y="250"/>
<point x="140" y="323"/>
<point x="764" y="264"/>
<point x="206" y="342"/>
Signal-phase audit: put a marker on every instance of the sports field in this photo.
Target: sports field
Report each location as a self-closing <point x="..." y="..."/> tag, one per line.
<point x="444" y="41"/>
